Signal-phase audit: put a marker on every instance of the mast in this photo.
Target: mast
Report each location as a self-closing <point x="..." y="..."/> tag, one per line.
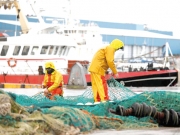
<point x="21" y="17"/>
<point x="20" y="14"/>
<point x="167" y="51"/>
<point x="33" y="6"/>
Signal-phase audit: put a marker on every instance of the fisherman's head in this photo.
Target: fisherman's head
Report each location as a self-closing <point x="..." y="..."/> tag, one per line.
<point x="117" y="44"/>
<point x="49" y="66"/>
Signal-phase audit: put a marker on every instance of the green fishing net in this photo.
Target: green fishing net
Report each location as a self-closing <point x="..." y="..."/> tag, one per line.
<point x="22" y="114"/>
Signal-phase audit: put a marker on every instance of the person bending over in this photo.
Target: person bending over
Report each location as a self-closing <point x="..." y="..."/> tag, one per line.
<point x="101" y="62"/>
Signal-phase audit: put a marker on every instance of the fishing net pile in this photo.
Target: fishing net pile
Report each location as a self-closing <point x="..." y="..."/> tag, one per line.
<point x="22" y="114"/>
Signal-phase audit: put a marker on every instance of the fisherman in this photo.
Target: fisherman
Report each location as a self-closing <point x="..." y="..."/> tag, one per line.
<point x="53" y="81"/>
<point x="102" y="60"/>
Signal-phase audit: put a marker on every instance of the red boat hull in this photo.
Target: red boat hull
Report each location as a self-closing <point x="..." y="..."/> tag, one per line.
<point x="38" y="79"/>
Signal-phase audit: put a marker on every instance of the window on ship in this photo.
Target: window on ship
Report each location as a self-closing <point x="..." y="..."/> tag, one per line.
<point x="16" y="50"/>
<point x="67" y="51"/>
<point x="64" y="50"/>
<point x="66" y="32"/>
<point x="25" y="50"/>
<point x="51" y="50"/>
<point x="34" y="50"/>
<point x="44" y="50"/>
<point x="4" y="50"/>
<point x="56" y="50"/>
<point x="61" y="50"/>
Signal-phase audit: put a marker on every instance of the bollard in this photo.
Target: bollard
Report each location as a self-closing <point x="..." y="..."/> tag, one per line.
<point x="1" y="85"/>
<point x="22" y="85"/>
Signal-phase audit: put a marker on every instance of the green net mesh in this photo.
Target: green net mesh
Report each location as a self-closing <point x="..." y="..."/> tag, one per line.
<point x="22" y="114"/>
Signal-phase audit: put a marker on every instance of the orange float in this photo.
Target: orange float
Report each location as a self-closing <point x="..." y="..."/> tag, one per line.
<point x="14" y="62"/>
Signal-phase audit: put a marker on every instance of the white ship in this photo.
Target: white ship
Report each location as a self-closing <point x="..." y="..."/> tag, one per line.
<point x="43" y="42"/>
<point x="133" y="35"/>
<point x="72" y="41"/>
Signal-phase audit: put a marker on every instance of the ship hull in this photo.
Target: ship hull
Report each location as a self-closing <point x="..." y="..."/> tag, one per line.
<point x="150" y="79"/>
<point x="134" y="79"/>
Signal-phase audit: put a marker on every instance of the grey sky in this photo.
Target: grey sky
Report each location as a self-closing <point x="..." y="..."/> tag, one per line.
<point x="157" y="14"/>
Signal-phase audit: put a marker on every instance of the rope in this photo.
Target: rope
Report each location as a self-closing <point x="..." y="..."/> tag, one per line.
<point x="5" y="109"/>
<point x="4" y="99"/>
<point x="5" y="106"/>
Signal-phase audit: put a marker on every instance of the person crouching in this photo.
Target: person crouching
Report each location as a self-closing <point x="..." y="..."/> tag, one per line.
<point x="53" y="81"/>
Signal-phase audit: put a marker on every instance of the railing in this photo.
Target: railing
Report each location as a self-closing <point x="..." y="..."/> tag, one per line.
<point x="29" y="67"/>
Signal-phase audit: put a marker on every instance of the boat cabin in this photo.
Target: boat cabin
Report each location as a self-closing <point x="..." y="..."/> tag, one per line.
<point x="33" y="46"/>
<point x="35" y="50"/>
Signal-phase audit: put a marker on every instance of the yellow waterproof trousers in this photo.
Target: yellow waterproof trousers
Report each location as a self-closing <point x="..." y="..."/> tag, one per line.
<point x="97" y="87"/>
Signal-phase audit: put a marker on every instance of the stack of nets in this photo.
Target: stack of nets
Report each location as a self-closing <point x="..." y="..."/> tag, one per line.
<point x="22" y="114"/>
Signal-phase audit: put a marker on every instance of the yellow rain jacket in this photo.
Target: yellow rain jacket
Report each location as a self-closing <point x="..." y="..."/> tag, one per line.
<point x="104" y="58"/>
<point x="53" y="80"/>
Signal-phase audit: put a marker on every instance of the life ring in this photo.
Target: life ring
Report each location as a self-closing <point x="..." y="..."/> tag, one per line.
<point x="9" y="62"/>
